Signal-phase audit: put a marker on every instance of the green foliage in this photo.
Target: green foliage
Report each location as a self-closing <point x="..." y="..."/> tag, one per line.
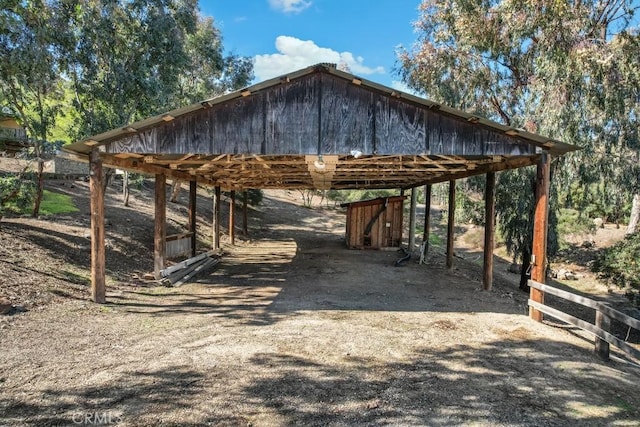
<point x="348" y="196"/>
<point x="98" y="64"/>
<point x="255" y="196"/>
<point x="619" y="265"/>
<point x="514" y="221"/>
<point x="469" y="210"/>
<point x="57" y="203"/>
<point x="128" y="60"/>
<point x="16" y="193"/>
<point x="565" y="69"/>
<point x="571" y="221"/>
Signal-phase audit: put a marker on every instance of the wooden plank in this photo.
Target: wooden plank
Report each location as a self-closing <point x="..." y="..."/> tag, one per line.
<point x="602" y="346"/>
<point x="628" y="349"/>
<point x="193" y="199"/>
<point x="216" y="218"/>
<point x="98" y="268"/>
<point x="451" y="222"/>
<point x="347" y="117"/>
<point x="587" y="302"/>
<point x="232" y="218"/>
<point x="178" y="236"/>
<point x="199" y="269"/>
<point x="187" y="262"/>
<point x="400" y="127"/>
<point x="178" y="247"/>
<point x="540" y="228"/>
<point x="292" y="120"/>
<point x="427" y="218"/>
<point x="160" y="225"/>
<point x="489" y="230"/>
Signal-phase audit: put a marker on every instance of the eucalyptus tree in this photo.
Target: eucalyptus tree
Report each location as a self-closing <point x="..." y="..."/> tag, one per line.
<point x="523" y="63"/>
<point x="30" y="75"/>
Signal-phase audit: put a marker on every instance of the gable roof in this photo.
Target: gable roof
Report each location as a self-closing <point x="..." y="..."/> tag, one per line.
<point x="318" y="127"/>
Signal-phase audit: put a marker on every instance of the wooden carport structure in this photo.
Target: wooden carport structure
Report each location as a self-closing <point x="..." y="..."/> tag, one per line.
<point x="316" y="128"/>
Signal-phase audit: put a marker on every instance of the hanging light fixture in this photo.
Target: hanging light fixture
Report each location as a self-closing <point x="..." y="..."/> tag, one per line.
<point x="319" y="163"/>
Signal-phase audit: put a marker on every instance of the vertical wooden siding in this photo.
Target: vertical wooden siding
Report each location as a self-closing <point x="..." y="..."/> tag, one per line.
<point x="359" y="214"/>
<point x="320" y="113"/>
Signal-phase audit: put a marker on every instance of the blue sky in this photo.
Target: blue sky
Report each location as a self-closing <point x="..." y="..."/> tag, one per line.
<point x="286" y="35"/>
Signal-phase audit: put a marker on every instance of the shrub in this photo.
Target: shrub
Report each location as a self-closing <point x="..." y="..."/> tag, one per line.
<point x="16" y="193"/>
<point x="619" y="265"/>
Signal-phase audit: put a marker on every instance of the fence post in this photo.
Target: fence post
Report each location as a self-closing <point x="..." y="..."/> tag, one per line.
<point x="602" y="347"/>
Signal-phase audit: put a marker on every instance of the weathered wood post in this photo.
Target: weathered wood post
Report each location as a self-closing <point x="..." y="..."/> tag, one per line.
<point x="540" y="228"/>
<point x="232" y="218"/>
<point x="193" y="199"/>
<point x="412" y="220"/>
<point x="245" y="219"/>
<point x="216" y="218"/>
<point x="451" y="222"/>
<point x="489" y="230"/>
<point x="602" y="347"/>
<point x="98" y="288"/>
<point x="160" y="228"/>
<point x="427" y="217"/>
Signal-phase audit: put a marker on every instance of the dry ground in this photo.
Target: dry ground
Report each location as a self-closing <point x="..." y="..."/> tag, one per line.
<point x="290" y="329"/>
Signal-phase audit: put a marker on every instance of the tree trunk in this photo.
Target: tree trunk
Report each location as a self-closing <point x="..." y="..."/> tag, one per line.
<point x="107" y="177"/>
<point x="635" y="215"/>
<point x="39" y="188"/>
<point x="524" y="271"/>
<point x="125" y="188"/>
<point x="175" y="191"/>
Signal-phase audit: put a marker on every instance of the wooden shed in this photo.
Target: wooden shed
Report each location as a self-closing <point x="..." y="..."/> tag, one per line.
<point x="375" y="223"/>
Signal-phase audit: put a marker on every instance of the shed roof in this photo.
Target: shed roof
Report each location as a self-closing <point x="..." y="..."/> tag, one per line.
<point x="318" y="127"/>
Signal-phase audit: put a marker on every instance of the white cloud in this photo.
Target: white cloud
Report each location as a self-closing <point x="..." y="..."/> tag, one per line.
<point x="290" y="6"/>
<point x="294" y="54"/>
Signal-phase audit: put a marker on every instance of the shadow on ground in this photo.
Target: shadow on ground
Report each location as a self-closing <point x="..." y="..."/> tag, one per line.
<point x="512" y="381"/>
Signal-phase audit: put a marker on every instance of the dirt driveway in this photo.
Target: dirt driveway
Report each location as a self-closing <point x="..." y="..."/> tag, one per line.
<point x="294" y="329"/>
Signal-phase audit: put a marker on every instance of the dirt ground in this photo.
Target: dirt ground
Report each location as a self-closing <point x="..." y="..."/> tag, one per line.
<point x="291" y="328"/>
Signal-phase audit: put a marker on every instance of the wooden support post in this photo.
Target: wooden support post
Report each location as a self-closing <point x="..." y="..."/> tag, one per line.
<point x="412" y="220"/>
<point x="98" y="288"/>
<point x="540" y="226"/>
<point x="160" y="229"/>
<point x="245" y="220"/>
<point x="216" y="219"/>
<point x="602" y="347"/>
<point x="451" y="222"/>
<point x="427" y="217"/>
<point x="193" y="198"/>
<point x="489" y="230"/>
<point x="232" y="219"/>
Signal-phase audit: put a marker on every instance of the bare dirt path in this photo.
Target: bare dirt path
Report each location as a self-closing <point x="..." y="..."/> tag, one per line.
<point x="294" y="329"/>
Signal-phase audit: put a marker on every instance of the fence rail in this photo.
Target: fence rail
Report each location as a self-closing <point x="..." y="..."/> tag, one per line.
<point x="601" y="328"/>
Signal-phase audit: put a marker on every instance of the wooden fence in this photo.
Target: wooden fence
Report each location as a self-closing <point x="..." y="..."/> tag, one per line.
<point x="602" y="326"/>
<point x="179" y="245"/>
